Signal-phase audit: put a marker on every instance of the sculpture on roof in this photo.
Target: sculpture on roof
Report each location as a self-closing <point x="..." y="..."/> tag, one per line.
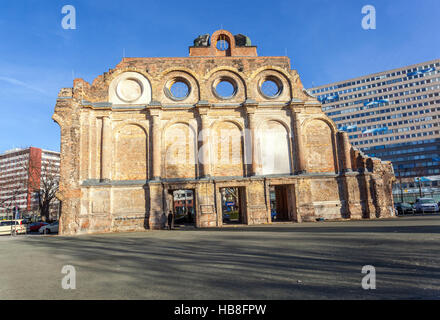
<point x="202" y="40"/>
<point x="242" y="41"/>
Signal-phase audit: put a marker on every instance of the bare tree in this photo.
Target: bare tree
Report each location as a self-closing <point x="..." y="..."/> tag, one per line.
<point x="232" y="192"/>
<point x="43" y="183"/>
<point x="9" y="202"/>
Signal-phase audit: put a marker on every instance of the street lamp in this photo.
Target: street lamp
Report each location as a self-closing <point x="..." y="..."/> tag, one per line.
<point x="418" y="171"/>
<point x="12" y="215"/>
<point x="400" y="182"/>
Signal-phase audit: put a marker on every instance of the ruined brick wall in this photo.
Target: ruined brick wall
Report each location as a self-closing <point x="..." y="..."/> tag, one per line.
<point x="127" y="143"/>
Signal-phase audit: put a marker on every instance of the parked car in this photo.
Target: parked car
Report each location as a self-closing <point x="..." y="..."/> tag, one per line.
<point x="14" y="226"/>
<point x="426" y="205"/>
<point x="34" y="227"/>
<point x="226" y="217"/>
<point x="50" y="228"/>
<point x="404" y="208"/>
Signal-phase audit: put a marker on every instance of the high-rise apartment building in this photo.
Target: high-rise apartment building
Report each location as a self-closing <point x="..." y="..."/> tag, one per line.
<point x="392" y="115"/>
<point x="22" y="173"/>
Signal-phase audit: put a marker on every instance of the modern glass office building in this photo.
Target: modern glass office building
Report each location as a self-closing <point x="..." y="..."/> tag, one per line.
<point x="393" y="115"/>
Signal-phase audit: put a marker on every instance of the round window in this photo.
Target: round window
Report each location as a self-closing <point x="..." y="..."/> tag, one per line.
<point x="129" y="90"/>
<point x="178" y="89"/>
<point x="271" y="87"/>
<point x="225" y="89"/>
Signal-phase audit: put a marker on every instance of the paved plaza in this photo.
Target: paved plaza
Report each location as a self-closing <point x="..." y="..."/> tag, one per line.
<point x="279" y="261"/>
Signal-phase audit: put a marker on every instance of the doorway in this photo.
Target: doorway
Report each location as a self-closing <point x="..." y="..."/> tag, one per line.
<point x="183" y="207"/>
<point x="233" y="205"/>
<point x="282" y="203"/>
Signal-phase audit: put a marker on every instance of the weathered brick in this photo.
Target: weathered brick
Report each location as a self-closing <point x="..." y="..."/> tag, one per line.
<point x="120" y="161"/>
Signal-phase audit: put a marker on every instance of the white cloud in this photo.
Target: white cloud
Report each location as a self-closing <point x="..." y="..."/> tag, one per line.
<point x="21" y="84"/>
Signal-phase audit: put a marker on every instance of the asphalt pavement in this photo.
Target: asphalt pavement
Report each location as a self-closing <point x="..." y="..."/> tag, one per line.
<point x="322" y="260"/>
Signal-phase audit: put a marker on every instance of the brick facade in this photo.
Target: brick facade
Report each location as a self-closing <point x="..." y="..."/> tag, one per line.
<point x="127" y="143"/>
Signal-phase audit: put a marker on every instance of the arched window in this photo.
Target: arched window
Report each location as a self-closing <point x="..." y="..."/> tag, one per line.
<point x="224" y="44"/>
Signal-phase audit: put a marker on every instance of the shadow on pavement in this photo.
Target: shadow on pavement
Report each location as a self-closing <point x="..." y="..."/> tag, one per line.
<point x="264" y="262"/>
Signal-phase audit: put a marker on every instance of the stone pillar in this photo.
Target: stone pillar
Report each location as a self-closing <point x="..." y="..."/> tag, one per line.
<point x="157" y="146"/>
<point x="305" y="210"/>
<point x="299" y="144"/>
<point x="352" y="189"/>
<point x="157" y="198"/>
<point x="205" y="157"/>
<point x="106" y="149"/>
<point x="67" y="115"/>
<point x="253" y="145"/>
<point x="346" y="155"/>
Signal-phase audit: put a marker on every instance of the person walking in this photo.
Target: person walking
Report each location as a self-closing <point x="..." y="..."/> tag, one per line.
<point x="170" y="220"/>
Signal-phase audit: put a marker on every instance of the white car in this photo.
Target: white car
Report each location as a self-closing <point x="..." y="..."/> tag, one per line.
<point x="14" y="226"/>
<point x="50" y="228"/>
<point x="426" y="205"/>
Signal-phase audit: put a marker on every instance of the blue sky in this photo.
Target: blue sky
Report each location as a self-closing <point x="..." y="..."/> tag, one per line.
<point x="323" y="39"/>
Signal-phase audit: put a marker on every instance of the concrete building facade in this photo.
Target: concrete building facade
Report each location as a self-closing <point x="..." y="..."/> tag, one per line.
<point x="393" y="115"/>
<point x="221" y="118"/>
<point x="21" y="173"/>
